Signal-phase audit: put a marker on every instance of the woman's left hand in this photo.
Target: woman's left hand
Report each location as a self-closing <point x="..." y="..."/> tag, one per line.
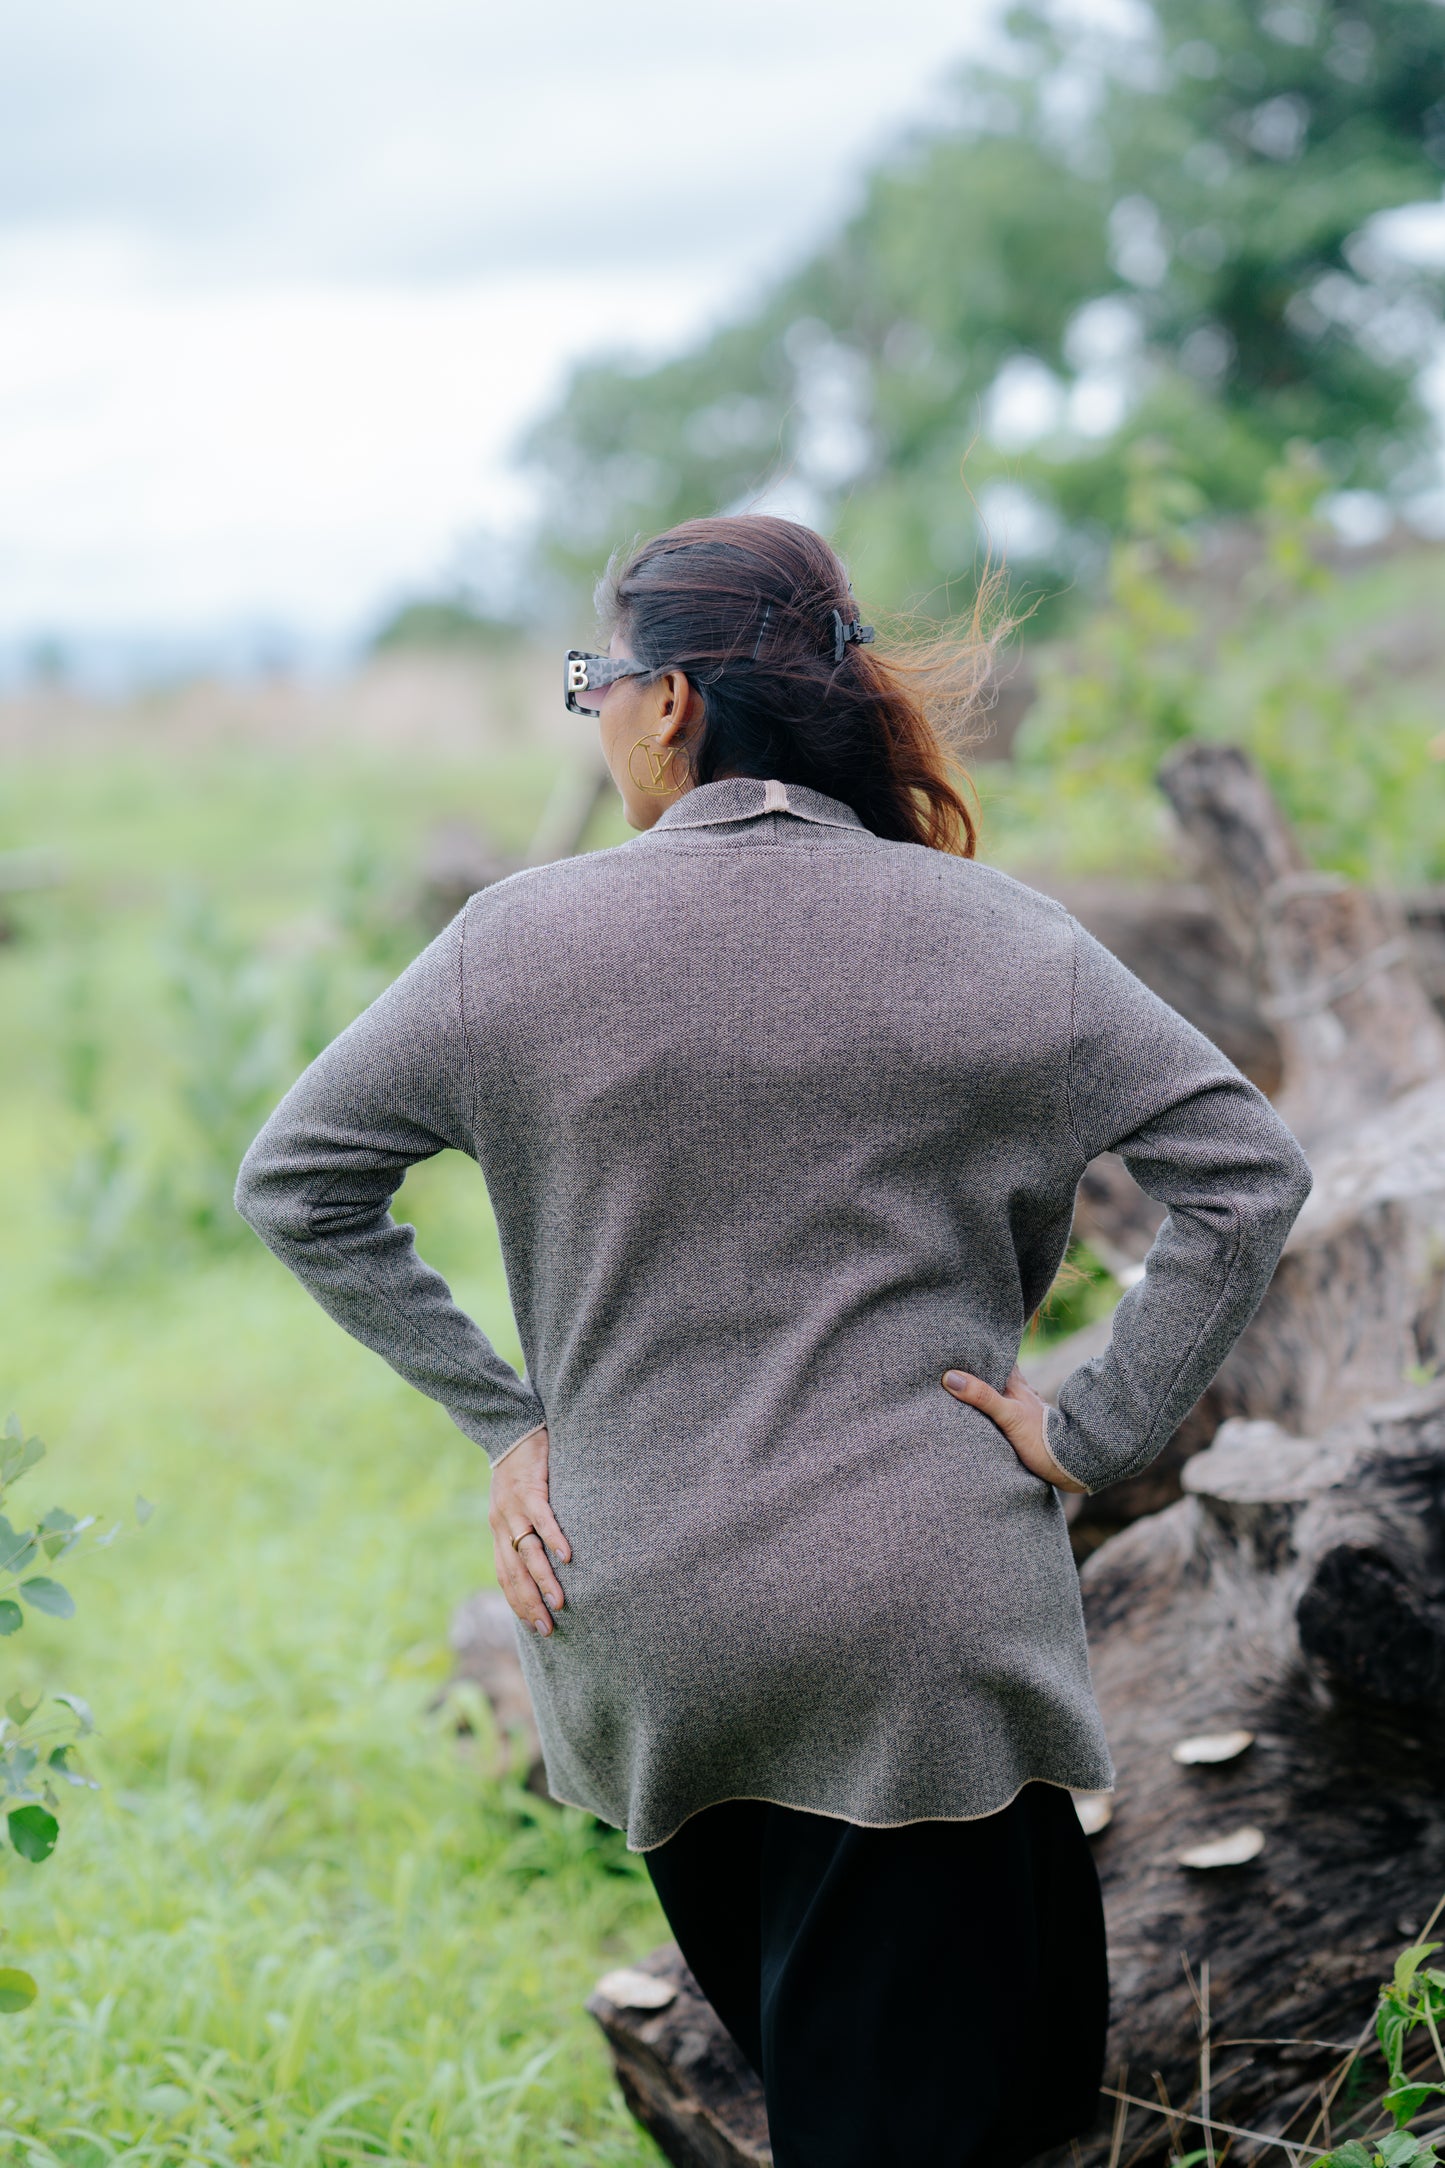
<point x="1019" y="1414"/>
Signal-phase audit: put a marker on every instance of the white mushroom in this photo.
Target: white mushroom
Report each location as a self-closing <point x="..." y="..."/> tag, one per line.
<point x="1095" y="1811"/>
<point x="1235" y="1850"/>
<point x="1212" y="1746"/>
<point x="633" y="1990"/>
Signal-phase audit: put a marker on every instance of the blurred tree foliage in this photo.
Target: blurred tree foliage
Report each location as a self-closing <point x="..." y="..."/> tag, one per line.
<point x="1164" y="235"/>
<point x="1351" y="748"/>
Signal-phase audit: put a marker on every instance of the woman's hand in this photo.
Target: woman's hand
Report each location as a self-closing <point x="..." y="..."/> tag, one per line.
<point x="520" y="1509"/>
<point x="1019" y="1413"/>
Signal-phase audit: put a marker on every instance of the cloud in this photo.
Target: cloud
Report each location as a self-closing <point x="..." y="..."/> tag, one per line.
<point x="444" y="138"/>
<point x="280" y="280"/>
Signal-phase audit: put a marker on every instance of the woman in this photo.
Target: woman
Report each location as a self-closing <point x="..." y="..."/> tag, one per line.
<point x="781" y="1106"/>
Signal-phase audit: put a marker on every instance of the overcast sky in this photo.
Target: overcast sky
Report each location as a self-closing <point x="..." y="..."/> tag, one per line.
<point x="280" y="283"/>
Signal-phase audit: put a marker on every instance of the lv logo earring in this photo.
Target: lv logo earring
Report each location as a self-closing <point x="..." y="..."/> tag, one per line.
<point x="651" y="767"/>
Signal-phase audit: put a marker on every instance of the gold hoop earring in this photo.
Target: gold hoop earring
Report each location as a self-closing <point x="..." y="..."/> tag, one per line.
<point x="656" y="769"/>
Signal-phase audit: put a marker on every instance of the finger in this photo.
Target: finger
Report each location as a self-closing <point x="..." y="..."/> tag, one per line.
<point x="965" y="1386"/>
<point x="544" y="1520"/>
<point x="521" y="1590"/>
<point x="522" y="1594"/>
<point x="532" y="1553"/>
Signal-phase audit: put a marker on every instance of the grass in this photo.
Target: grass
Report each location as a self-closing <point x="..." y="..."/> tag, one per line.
<point x="298" y="1922"/>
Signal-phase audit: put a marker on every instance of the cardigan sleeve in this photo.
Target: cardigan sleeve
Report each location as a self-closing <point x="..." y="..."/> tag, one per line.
<point x="318" y="1183"/>
<point x="1200" y="1138"/>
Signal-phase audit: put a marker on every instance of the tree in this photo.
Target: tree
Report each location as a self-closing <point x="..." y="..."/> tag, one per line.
<point x="1165" y="235"/>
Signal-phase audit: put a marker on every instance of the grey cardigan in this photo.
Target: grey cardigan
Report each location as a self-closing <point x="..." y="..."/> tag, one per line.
<point x="779" y="1120"/>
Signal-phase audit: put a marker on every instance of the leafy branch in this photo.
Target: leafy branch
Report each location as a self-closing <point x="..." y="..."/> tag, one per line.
<point x="39" y="1737"/>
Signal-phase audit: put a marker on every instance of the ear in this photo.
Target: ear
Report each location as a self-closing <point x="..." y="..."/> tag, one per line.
<point x="679" y="705"/>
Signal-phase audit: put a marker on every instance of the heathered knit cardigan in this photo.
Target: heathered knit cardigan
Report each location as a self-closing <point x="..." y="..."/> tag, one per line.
<point x="779" y="1121"/>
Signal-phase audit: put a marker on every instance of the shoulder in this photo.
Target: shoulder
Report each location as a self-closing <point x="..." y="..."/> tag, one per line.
<point x="539" y="891"/>
<point x="974" y="888"/>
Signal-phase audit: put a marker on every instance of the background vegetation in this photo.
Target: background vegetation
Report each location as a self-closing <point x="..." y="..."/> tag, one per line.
<point x="1161" y="235"/>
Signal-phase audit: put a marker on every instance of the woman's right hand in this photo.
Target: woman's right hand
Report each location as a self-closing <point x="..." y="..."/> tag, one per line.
<point x="521" y="1509"/>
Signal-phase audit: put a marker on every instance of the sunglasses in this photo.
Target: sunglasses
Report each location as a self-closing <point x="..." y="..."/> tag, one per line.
<point x="585" y="678"/>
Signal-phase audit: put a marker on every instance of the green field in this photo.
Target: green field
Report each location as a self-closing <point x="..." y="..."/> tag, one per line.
<point x="299" y="1921"/>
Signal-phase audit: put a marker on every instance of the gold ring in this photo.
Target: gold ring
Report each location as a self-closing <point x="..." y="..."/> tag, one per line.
<point x="523" y="1537"/>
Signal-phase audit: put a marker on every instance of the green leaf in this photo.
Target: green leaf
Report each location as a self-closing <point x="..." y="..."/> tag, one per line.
<point x="15" y="1766"/>
<point x="17" y="1990"/>
<point x="58" y="1759"/>
<point x="80" y="1709"/>
<point x="33" y="1832"/>
<point x="20" y="1711"/>
<point x="58" y="1531"/>
<point x="1405" y="2101"/>
<point x="1391" y="2027"/>
<point x="1400" y="2149"/>
<point x="12" y="1618"/>
<point x="48" y="1595"/>
<point x="17" y="1547"/>
<point x="1349" y="2155"/>
<point x="1408" y="1963"/>
<point x="18" y="1454"/>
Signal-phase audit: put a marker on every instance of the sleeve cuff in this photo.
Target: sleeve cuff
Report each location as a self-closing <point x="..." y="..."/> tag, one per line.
<point x="498" y="1458"/>
<point x="1055" y="1424"/>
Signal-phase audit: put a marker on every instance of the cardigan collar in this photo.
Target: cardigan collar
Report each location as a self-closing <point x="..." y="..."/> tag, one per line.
<point x="746" y="797"/>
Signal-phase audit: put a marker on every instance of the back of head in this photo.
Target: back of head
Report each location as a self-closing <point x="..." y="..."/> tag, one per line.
<point x="759" y="614"/>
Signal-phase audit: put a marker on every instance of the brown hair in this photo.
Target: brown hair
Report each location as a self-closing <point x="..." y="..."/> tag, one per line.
<point x="745" y="606"/>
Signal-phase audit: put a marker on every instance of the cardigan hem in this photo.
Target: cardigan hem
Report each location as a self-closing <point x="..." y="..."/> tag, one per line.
<point x="829" y="1814"/>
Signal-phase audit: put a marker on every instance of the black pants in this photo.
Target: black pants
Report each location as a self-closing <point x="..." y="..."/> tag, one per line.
<point x="933" y="1993"/>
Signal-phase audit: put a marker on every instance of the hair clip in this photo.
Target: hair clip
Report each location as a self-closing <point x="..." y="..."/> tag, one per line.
<point x="757" y="644"/>
<point x="842" y="634"/>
